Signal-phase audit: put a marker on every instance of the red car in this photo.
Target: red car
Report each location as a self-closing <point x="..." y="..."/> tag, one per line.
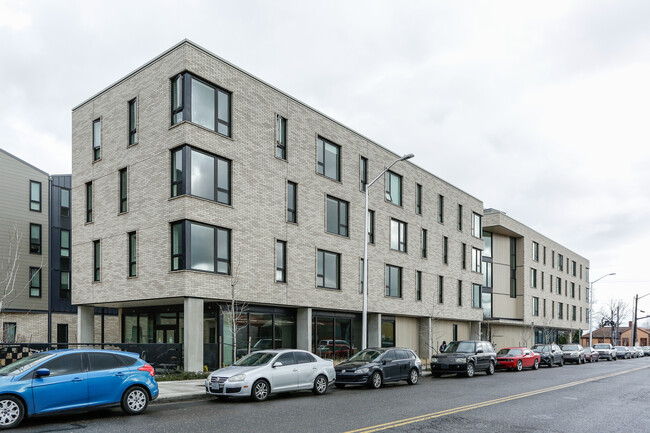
<point x="517" y="358"/>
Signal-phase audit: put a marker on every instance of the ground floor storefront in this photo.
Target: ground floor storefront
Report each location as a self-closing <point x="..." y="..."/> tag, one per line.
<point x="511" y="333"/>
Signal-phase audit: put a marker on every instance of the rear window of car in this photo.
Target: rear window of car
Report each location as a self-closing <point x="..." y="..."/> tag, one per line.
<point x="104" y="361"/>
<point x="401" y="354"/>
<point x="304" y="358"/>
<point x="127" y="361"/>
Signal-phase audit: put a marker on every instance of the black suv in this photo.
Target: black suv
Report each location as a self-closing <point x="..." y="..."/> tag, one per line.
<point x="465" y="357"/>
<point x="375" y="366"/>
<point x="551" y="354"/>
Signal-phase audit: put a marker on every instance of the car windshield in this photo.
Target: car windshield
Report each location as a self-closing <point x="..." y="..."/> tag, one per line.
<point x="368" y="355"/>
<point x="461" y="347"/>
<point x="255" y="359"/>
<point x="601" y="346"/>
<point x="509" y="352"/>
<point x="24" y="364"/>
<point x="541" y="348"/>
<point x="570" y="347"/>
<point x="620" y="348"/>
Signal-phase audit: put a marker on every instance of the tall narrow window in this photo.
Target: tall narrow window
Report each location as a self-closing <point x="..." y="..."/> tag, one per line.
<point x="445" y="250"/>
<point x="418" y="199"/>
<point x="96" y="260"/>
<point x="61" y="333"/>
<point x="178" y="246"/>
<point x="360" y="275"/>
<point x="329" y="159"/>
<point x="201" y="174"/>
<point x="558" y="285"/>
<point x="124" y="185"/>
<point x="460" y="293"/>
<point x="393" y="188"/>
<point x="476" y="296"/>
<point x="363" y="173"/>
<point x="397" y="235"/>
<point x="487" y="244"/>
<point x="441" y="288"/>
<point x="454" y="332"/>
<point x="336" y="216"/>
<point x="280" y="261"/>
<point x="206" y="104"/>
<point x="280" y="137"/>
<point x="533" y="278"/>
<point x="460" y="217"/>
<point x="292" y="202"/>
<point x="477" y="226"/>
<point x="418" y="285"/>
<point x="9" y="332"/>
<point x="573" y="290"/>
<point x="535" y="306"/>
<point x="328" y="270"/>
<point x="65" y="202"/>
<point x="64" y="292"/>
<point x="97" y="139"/>
<point x="424" y="243"/>
<point x="476" y="260"/>
<point x="464" y="256"/>
<point x="34" y="196"/>
<point x="371" y="226"/>
<point x="535" y="251"/>
<point x="133" y="121"/>
<point x="177" y="99"/>
<point x="65" y="243"/>
<point x="35" y="239"/>
<point x="133" y="254"/>
<point x="441" y="209"/>
<point x="393" y="281"/>
<point x="513" y="268"/>
<point x="89" y="202"/>
<point x="487" y="274"/>
<point x="560" y="262"/>
<point x="34" y="282"/>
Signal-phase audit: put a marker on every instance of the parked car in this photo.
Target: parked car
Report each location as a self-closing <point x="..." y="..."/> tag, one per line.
<point x="606" y="350"/>
<point x="646" y="350"/>
<point x="639" y="351"/>
<point x="623" y="352"/>
<point x="265" y="372"/>
<point x="517" y="358"/>
<point x="573" y="353"/>
<point x="465" y="357"/>
<point x="591" y="354"/>
<point x="551" y="354"/>
<point x="57" y="380"/>
<point x="375" y="366"/>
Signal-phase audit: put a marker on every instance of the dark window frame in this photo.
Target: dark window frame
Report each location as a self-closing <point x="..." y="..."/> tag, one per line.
<point x="441" y="208"/>
<point x="423" y="243"/>
<point x="363" y="173"/>
<point x="342" y="228"/>
<point x="441" y="289"/>
<point x="402" y="235"/>
<point x="62" y="328"/>
<point x="66" y="213"/>
<point x="281" y="263"/>
<point x="324" y="254"/>
<point x="321" y="169"/>
<point x="89" y="202"/>
<point x="132" y="241"/>
<point x="123" y="190"/>
<point x="133" y="121"/>
<point x="292" y="207"/>
<point x="185" y="254"/>
<point x="36" y="247"/>
<point x="35" y="282"/>
<point x="445" y="250"/>
<point x="280" y="137"/>
<point x="418" y="199"/>
<point x="418" y="285"/>
<point x="36" y="205"/>
<point x="183" y="186"/>
<point x="388" y="196"/>
<point x="460" y="293"/>
<point x="387" y="280"/>
<point x="371" y="226"/>
<point x="97" y="147"/>
<point x="460" y="217"/>
<point x="97" y="258"/>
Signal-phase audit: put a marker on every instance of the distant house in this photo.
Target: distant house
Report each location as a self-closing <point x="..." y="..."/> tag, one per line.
<point x="604" y="335"/>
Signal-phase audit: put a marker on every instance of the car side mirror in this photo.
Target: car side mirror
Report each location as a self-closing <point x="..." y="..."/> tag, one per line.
<point x="277" y="364"/>
<point x="41" y="372"/>
<point x="479" y="351"/>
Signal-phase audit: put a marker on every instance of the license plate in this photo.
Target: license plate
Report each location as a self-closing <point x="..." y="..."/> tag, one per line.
<point x="444" y="366"/>
<point x="215" y="387"/>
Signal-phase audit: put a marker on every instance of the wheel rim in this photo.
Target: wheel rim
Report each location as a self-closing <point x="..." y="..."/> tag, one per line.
<point x="9" y="412"/>
<point x="519" y="366"/>
<point x="414" y="376"/>
<point x="321" y="385"/>
<point x="536" y="364"/>
<point x="470" y="370"/>
<point x="136" y="400"/>
<point x="261" y="391"/>
<point x="376" y="380"/>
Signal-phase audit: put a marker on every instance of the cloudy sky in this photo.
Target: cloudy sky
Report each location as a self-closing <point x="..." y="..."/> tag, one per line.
<point x="540" y="109"/>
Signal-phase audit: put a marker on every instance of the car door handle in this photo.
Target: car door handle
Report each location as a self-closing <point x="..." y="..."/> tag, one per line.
<point x="77" y="379"/>
<point x="295" y="369"/>
<point x="119" y="374"/>
<point x="314" y="368"/>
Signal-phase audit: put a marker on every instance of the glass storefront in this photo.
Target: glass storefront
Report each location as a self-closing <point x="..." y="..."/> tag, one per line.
<point x="335" y="336"/>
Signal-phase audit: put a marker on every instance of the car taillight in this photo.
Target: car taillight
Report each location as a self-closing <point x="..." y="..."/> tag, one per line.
<point x="149" y="368"/>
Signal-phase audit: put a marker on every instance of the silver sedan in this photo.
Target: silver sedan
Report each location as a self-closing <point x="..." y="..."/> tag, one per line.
<point x="260" y="374"/>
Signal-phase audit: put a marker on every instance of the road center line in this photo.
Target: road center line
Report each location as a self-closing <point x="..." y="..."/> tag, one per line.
<point x="420" y="418"/>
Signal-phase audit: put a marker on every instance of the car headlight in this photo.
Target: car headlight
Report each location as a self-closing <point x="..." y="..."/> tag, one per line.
<point x="237" y="378"/>
<point x="461" y="360"/>
<point x="434" y="359"/>
<point x="361" y="371"/>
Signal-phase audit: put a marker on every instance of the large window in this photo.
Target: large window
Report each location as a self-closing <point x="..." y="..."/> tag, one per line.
<point x="441" y="208"/>
<point x="280" y="261"/>
<point x="292" y="202"/>
<point x="476" y="260"/>
<point x="124" y="186"/>
<point x="133" y="121"/>
<point x="328" y="270"/>
<point x="280" y="137"/>
<point x="133" y="254"/>
<point x="363" y="173"/>
<point x="65" y="202"/>
<point x="418" y="199"/>
<point x="397" y="235"/>
<point x="34" y="282"/>
<point x="34" y="196"/>
<point x="393" y="188"/>
<point x="35" y="240"/>
<point x="201" y="174"/>
<point x="477" y="225"/>
<point x="97" y="260"/>
<point x="329" y="159"/>
<point x="423" y="241"/>
<point x="200" y="247"/>
<point x="97" y="139"/>
<point x="476" y="296"/>
<point x="200" y="102"/>
<point x="337" y="216"/>
<point x="89" y="202"/>
<point x="393" y="281"/>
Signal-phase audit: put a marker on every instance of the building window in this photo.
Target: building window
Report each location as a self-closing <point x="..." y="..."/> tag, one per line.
<point x="397" y="235"/>
<point x="573" y="312"/>
<point x="418" y="285"/>
<point x="460" y="217"/>
<point x="533" y="278"/>
<point x="477" y="225"/>
<point x="97" y="139"/>
<point x="360" y="275"/>
<point x="418" y="199"/>
<point x="587" y="274"/>
<point x="513" y="268"/>
<point x="445" y="250"/>
<point x="200" y="102"/>
<point x="34" y="196"/>
<point x="280" y="137"/>
<point x="560" y="262"/>
<point x="133" y="245"/>
<point x="441" y="289"/>
<point x="328" y="270"/>
<point x="535" y="251"/>
<point x="454" y="332"/>
<point x="487" y="274"/>
<point x="573" y="290"/>
<point x="371" y="226"/>
<point x="65" y="243"/>
<point x="574" y="270"/>
<point x="476" y="296"/>
<point x="124" y="185"/>
<point x="560" y="312"/>
<point x="133" y="121"/>
<point x="329" y="159"/>
<point x="542" y="280"/>
<point x="441" y="209"/>
<point x="460" y="293"/>
<point x="423" y="241"/>
<point x="9" y="332"/>
<point x="535" y="306"/>
<point x="336" y="216"/>
<point x="363" y="173"/>
<point x="200" y="247"/>
<point x="89" y="202"/>
<point x="476" y="260"/>
<point x="464" y="256"/>
<point x="587" y="294"/>
<point x="558" y="285"/>
<point x="393" y="281"/>
<point x="393" y="188"/>
<point x="280" y="261"/>
<point x="292" y="202"/>
<point x="35" y="239"/>
<point x="96" y="260"/>
<point x="65" y="202"/>
<point x="544" y="256"/>
<point x="62" y="333"/>
<point x="544" y="308"/>
<point x="65" y="285"/>
<point x="34" y="282"/>
<point x="201" y="174"/>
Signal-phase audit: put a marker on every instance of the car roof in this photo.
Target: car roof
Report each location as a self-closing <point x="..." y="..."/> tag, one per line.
<point x="116" y="352"/>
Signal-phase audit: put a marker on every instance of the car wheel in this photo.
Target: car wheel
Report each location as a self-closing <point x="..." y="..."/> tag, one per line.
<point x="135" y="400"/>
<point x="376" y="380"/>
<point x="561" y="362"/>
<point x="520" y="366"/>
<point x="413" y="377"/>
<point x="261" y="390"/>
<point x="339" y="385"/>
<point x="320" y="385"/>
<point x="550" y="363"/>
<point x="470" y="370"/>
<point x="12" y="411"/>
<point x="490" y="370"/>
<point x="536" y="365"/>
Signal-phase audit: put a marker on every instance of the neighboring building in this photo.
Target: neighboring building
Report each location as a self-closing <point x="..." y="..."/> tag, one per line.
<point x="193" y="180"/>
<point x="604" y="335"/>
<point x="535" y="290"/>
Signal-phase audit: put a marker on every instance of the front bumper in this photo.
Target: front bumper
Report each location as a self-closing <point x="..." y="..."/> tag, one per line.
<point x="448" y="368"/>
<point x="349" y="378"/>
<point x="506" y="364"/>
<point x="235" y="389"/>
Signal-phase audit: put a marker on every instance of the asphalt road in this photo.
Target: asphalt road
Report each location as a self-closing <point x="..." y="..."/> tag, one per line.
<point x="613" y="396"/>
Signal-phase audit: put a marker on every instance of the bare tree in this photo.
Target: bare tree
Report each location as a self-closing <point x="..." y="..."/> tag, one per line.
<point x="612" y="315"/>
<point x="234" y="310"/>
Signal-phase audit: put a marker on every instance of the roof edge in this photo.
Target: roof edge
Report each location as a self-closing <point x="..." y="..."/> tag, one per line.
<point x="24" y="162"/>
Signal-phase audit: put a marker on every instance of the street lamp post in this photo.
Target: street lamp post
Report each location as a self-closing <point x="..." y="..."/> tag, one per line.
<point x="591" y="304"/>
<point x="364" y="318"/>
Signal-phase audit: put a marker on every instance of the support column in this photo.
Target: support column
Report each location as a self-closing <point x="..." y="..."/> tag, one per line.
<point x="475" y="331"/>
<point x="303" y="329"/>
<point x="193" y="335"/>
<point x="425" y="338"/>
<point x="374" y="330"/>
<point x="85" y="324"/>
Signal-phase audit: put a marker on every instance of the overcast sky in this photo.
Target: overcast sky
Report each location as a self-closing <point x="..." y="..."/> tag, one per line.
<point x="538" y="109"/>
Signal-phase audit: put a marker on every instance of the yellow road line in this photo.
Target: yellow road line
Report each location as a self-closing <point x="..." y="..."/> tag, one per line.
<point x="420" y="418"/>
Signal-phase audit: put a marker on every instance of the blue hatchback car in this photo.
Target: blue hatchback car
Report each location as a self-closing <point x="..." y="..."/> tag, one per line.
<point x="61" y="380"/>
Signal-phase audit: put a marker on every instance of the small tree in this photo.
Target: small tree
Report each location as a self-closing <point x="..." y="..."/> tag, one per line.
<point x="234" y="310"/>
<point x="613" y="314"/>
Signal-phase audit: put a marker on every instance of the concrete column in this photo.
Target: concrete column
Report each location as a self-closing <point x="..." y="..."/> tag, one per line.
<point x="303" y="329"/>
<point x="193" y="335"/>
<point x="374" y="330"/>
<point x="425" y="351"/>
<point x="85" y="324"/>
<point x="475" y="331"/>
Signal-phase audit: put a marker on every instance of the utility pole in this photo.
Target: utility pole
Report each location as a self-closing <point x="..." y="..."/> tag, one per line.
<point x="636" y="303"/>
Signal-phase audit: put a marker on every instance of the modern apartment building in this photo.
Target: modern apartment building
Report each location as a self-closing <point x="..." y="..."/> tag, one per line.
<point x="534" y="289"/>
<point x="194" y="182"/>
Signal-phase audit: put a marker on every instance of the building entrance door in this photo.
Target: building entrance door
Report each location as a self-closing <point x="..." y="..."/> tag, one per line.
<point x="166" y="334"/>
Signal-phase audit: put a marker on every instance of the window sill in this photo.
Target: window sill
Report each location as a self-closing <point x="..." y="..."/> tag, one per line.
<point x="398" y="251"/>
<point x="132" y="145"/>
<point x="87" y="223"/>
<point x="281" y="282"/>
<point x="196" y="271"/>
<point x="281" y="159"/>
<point x="329" y="178"/>
<point x="338" y="235"/>
<point x="132" y="277"/>
<point x="123" y="213"/>
<point x="97" y="160"/>
<point x="200" y="198"/>
<point x="328" y="289"/>
<point x="189" y="122"/>
<point x="394" y="297"/>
<point x="292" y="223"/>
<point x="393" y="203"/>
